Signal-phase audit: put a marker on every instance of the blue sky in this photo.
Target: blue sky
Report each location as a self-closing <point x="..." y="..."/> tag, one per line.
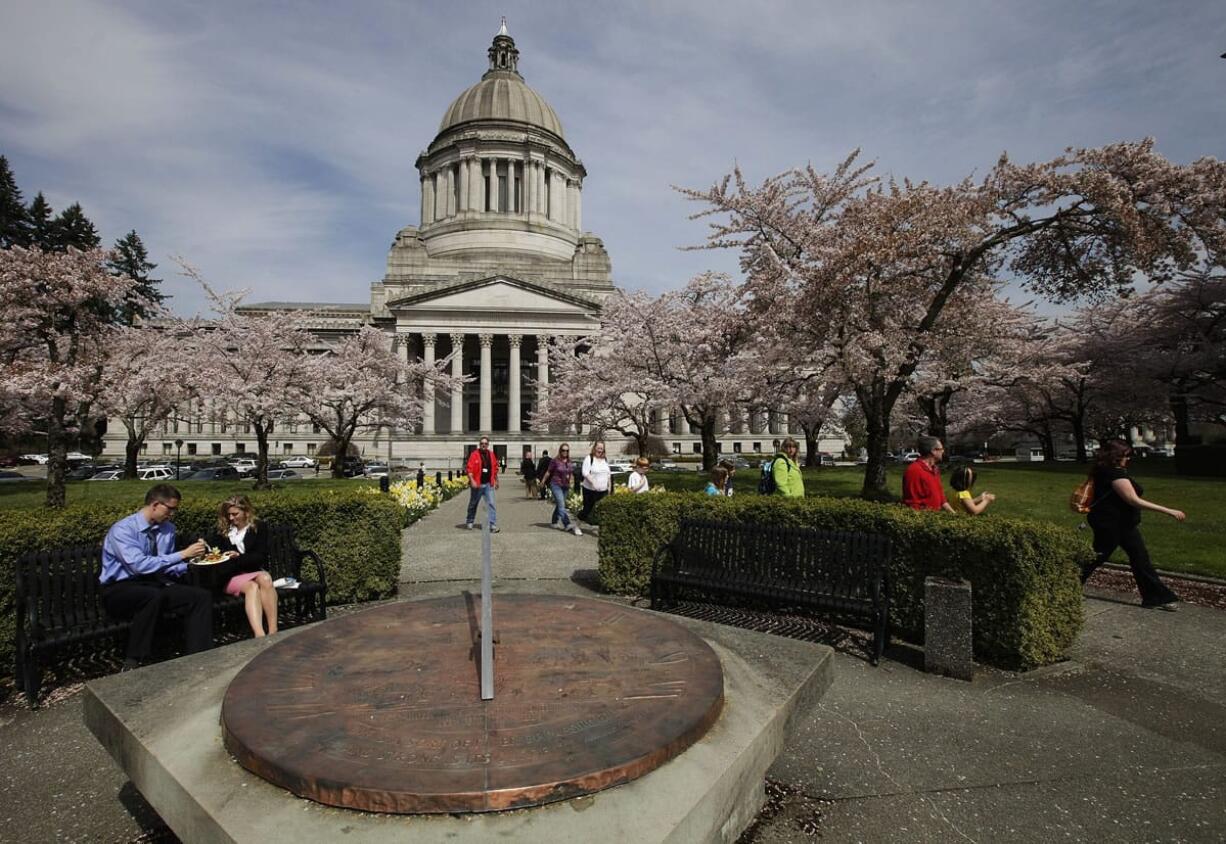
<point x="272" y="144"/>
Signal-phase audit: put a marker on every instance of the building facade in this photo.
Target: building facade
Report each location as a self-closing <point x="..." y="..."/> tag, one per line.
<point x="498" y="268"/>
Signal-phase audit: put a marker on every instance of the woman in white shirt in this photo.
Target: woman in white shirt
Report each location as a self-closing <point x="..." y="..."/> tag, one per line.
<point x="637" y="482"/>
<point x="596" y="479"/>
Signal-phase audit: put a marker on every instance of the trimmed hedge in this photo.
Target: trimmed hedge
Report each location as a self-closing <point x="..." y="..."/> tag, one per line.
<point x="356" y="534"/>
<point x="1027" y="593"/>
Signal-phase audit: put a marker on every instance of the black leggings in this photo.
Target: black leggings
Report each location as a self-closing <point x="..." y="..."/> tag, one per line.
<point x="590" y="499"/>
<point x="1107" y="537"/>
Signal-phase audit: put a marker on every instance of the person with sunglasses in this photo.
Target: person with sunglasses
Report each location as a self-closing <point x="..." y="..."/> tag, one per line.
<point x="142" y="577"/>
<point x="921" y="482"/>
<point x="558" y="478"/>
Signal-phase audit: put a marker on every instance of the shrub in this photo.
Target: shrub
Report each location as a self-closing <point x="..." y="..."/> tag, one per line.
<point x="355" y="534"/>
<point x="1027" y="593"/>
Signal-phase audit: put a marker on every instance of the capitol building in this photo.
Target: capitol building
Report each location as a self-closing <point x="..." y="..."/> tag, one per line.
<point x="497" y="269"/>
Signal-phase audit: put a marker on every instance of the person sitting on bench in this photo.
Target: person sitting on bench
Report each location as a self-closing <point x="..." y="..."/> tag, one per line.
<point x="141" y="574"/>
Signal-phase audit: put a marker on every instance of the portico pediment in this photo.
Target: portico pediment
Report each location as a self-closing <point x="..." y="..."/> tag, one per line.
<point x="496" y="294"/>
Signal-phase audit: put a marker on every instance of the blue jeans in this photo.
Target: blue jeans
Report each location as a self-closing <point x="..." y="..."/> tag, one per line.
<point x="559" y="506"/>
<point x="475" y="494"/>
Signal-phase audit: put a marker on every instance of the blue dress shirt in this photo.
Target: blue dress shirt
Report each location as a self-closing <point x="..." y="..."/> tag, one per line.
<point x="128" y="550"/>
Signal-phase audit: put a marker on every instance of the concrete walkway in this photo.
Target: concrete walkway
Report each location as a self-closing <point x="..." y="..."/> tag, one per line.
<point x="1124" y="742"/>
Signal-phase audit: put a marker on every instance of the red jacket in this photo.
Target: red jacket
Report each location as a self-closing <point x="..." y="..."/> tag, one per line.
<point x="921" y="487"/>
<point x="473" y="467"/>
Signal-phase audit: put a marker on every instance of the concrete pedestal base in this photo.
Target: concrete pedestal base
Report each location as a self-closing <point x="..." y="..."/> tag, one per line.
<point x="161" y="725"/>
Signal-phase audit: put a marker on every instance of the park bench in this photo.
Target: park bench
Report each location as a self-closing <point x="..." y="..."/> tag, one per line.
<point x="60" y="612"/>
<point x="841" y="573"/>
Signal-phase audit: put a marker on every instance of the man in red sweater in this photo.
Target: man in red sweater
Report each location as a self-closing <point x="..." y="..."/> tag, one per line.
<point x="482" y="469"/>
<point x="921" y="483"/>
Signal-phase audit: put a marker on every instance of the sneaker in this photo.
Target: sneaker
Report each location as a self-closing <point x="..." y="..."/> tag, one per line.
<point x="575" y="530"/>
<point x="560" y="526"/>
<point x="1169" y="606"/>
<point x="494" y="529"/>
<point x="468" y="525"/>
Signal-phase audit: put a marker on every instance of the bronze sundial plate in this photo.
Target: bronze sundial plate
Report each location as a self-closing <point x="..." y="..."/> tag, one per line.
<point x="381" y="710"/>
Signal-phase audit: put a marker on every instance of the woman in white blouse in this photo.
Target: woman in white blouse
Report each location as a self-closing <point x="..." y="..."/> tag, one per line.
<point x="637" y="482"/>
<point x="596" y="479"/>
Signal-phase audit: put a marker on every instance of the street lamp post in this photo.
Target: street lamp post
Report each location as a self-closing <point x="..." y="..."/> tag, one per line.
<point x="178" y="457"/>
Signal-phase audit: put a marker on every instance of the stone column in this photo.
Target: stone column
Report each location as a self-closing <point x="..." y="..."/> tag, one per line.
<point x="513" y="399"/>
<point x="511" y="185"/>
<point x="542" y="370"/>
<point x="542" y="195"/>
<point x="428" y="191"/>
<point x="492" y="188"/>
<point x="772" y="422"/>
<point x="422" y="217"/>
<point x="464" y="189"/>
<point x="578" y="205"/>
<point x="457" y="392"/>
<point x="558" y="192"/>
<point x="439" y="189"/>
<point x="427" y="389"/>
<point x="683" y="424"/>
<point x="450" y="200"/>
<point x="487" y="384"/>
<point x="529" y="188"/>
<point x="476" y="186"/>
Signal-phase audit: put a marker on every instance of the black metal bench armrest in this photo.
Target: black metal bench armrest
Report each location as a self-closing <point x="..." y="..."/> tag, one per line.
<point x="664" y="550"/>
<point x="306" y="554"/>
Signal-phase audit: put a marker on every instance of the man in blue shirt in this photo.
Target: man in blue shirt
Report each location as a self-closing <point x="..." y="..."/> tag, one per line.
<point x="141" y="573"/>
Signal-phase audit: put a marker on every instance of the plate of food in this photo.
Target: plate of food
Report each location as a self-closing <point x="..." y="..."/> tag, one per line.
<point x="212" y="557"/>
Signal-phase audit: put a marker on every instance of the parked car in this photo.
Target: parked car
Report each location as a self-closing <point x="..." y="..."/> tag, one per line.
<point x="908" y="457"/>
<point x="243" y="466"/>
<point x="155" y="473"/>
<point x="13" y="477"/>
<point x="29" y="459"/>
<point x="82" y="473"/>
<point x="108" y="475"/>
<point x="8" y="461"/>
<point x="825" y="458"/>
<point x="275" y="475"/>
<point x="299" y="463"/>
<point x="620" y="468"/>
<point x="352" y="467"/>
<point x="217" y="473"/>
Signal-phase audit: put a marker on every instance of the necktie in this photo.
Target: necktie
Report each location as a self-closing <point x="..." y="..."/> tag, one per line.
<point x="153" y="541"/>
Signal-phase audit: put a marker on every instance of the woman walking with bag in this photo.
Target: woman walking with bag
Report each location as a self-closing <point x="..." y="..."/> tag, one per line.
<point x="596" y="480"/>
<point x="1115" y="518"/>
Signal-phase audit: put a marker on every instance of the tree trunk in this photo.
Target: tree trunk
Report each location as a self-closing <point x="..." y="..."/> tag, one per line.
<point x="812" y="439"/>
<point x="877" y="425"/>
<point x="710" y="444"/>
<point x="131" y="455"/>
<point x="57" y="453"/>
<point x="1079" y="437"/>
<point x="261" y="460"/>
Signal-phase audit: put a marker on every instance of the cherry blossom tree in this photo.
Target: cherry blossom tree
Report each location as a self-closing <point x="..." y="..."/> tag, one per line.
<point x="149" y="373"/>
<point x="252" y="366"/>
<point x="53" y="342"/>
<point x="692" y="349"/>
<point x="870" y="266"/>
<point x="362" y="384"/>
<point x="813" y="409"/>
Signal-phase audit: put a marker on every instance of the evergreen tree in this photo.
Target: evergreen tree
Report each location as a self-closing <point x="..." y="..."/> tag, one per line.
<point x="41" y="224"/>
<point x="14" y="223"/>
<point x="73" y="229"/>
<point x="132" y="260"/>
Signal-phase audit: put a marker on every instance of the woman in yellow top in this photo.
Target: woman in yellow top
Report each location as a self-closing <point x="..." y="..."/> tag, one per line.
<point x="962" y="479"/>
<point x="788" y="481"/>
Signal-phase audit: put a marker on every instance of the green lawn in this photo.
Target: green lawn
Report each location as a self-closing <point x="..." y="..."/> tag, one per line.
<point x="1041" y="491"/>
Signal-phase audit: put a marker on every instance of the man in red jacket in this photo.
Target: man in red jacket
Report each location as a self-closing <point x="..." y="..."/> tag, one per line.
<point x="921" y="483"/>
<point x="482" y="469"/>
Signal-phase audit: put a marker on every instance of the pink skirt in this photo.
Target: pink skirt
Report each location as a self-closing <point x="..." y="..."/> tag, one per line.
<point x="235" y="586"/>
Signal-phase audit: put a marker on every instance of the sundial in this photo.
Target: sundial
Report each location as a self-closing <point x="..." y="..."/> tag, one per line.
<point x="383" y="710"/>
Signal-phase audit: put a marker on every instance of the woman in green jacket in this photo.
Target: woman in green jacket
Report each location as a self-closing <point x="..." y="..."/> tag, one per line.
<point x="788" y="481"/>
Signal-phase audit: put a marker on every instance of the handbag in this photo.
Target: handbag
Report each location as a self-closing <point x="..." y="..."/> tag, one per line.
<point x="1082" y="498"/>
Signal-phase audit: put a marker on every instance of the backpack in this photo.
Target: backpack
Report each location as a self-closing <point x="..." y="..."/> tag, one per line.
<point x="766" y="483"/>
<point x="1082" y="498"/>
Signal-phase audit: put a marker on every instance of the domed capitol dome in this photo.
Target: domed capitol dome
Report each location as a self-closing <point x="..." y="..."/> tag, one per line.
<point x="502" y="95"/>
